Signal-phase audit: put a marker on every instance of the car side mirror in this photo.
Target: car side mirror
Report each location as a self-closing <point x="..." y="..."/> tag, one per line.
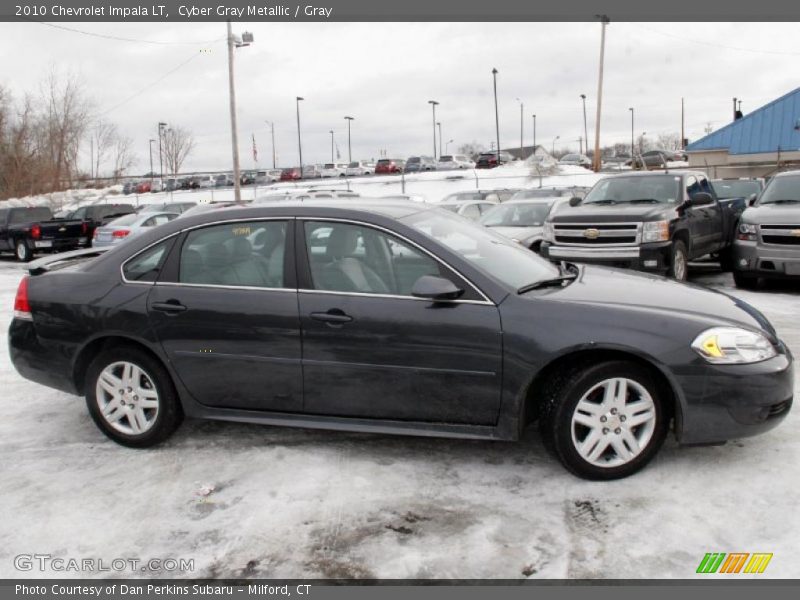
<point x="751" y="200"/>
<point x="700" y="199"/>
<point x="436" y="289"/>
<point x="574" y="201"/>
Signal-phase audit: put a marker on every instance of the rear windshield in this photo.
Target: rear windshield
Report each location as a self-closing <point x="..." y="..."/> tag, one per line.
<point x="384" y="161"/>
<point x="330" y="166"/>
<point x="445" y="159"/>
<point x="414" y="159"/>
<point x="353" y="165"/>
<point x="29" y="215"/>
<point x="126" y="220"/>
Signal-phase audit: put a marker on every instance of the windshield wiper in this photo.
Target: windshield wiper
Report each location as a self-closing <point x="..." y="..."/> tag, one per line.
<point x="784" y="201"/>
<point x="555" y="281"/>
<point x="605" y="201"/>
<point x="642" y="200"/>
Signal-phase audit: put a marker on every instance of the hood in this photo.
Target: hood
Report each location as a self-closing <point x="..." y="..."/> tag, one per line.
<point x="773" y="214"/>
<point x="612" y="213"/>
<point x="632" y="289"/>
<point x="518" y="233"/>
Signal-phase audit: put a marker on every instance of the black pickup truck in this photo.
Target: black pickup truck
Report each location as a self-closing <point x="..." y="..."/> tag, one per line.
<point x="27" y="230"/>
<point x="98" y="215"/>
<point x="646" y="221"/>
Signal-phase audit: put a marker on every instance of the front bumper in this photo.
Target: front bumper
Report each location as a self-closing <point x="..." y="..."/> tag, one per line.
<point x="723" y="402"/>
<point x="765" y="260"/>
<point x="645" y="257"/>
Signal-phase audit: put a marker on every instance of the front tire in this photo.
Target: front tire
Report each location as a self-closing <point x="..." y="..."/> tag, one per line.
<point x="679" y="261"/>
<point x="131" y="398"/>
<point x="604" y="421"/>
<point x="23" y="252"/>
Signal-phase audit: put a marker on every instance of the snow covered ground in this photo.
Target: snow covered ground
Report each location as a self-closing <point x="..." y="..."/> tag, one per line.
<point x="302" y="503"/>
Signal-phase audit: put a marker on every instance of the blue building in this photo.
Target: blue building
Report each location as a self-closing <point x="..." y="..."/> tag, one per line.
<point x="763" y="142"/>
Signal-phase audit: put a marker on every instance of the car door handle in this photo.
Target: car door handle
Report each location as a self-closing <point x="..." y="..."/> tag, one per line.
<point x="170" y="306"/>
<point x="332" y="317"/>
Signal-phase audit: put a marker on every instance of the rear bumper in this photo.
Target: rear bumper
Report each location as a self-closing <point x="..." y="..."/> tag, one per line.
<point x="763" y="260"/>
<point x="723" y="402"/>
<point x="36" y="361"/>
<point x="646" y="257"/>
<point x="56" y="244"/>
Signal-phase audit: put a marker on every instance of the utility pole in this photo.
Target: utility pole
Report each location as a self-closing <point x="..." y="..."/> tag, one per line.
<point x="434" y="104"/>
<point x="331" y="132"/>
<point x="683" y="135"/>
<point x="585" y="128"/>
<point x="349" y="149"/>
<point x="299" y="142"/>
<point x="234" y="43"/>
<point x="161" y="127"/>
<point x="521" y="130"/>
<point x="604" y="20"/>
<point x="496" y="115"/>
<point x="272" y="135"/>
<point x="151" y="161"/>
<point x="534" y="134"/>
<point x="632" y="149"/>
<point x="439" y="125"/>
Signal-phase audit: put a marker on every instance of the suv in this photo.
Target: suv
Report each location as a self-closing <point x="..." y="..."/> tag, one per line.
<point x="360" y="167"/>
<point x="389" y="166"/>
<point x="488" y="160"/>
<point x="646" y="221"/>
<point x="767" y="241"/>
<point x="96" y="215"/>
<point x="455" y="161"/>
<point x="420" y="163"/>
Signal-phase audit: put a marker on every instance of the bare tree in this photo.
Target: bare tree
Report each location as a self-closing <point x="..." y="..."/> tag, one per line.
<point x="178" y="143"/>
<point x="473" y="149"/>
<point x="124" y="158"/>
<point x="669" y="141"/>
<point x="103" y="139"/>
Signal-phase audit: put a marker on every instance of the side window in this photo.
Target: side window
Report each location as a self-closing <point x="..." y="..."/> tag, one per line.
<point x="3" y="215"/>
<point x="354" y="258"/>
<point x="235" y="254"/>
<point x="157" y="220"/>
<point x="79" y="213"/>
<point x="146" y="265"/>
<point x="471" y="211"/>
<point x="692" y="186"/>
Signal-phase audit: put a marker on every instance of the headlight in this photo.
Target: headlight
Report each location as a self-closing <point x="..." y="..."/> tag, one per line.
<point x="547" y="232"/>
<point x="656" y="231"/>
<point x="747" y="232"/>
<point x="731" y="345"/>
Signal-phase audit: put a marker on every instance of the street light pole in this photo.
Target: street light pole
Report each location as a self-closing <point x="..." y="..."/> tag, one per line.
<point x="161" y="127"/>
<point x="272" y="135"/>
<point x="585" y="128"/>
<point x="349" y="148"/>
<point x="534" y="134"/>
<point x="632" y="148"/>
<point x="604" y="20"/>
<point x="151" y="161"/>
<point x="554" y="145"/>
<point x="331" y="132"/>
<point x="299" y="142"/>
<point x="447" y="146"/>
<point x="234" y="43"/>
<point x="433" y="104"/>
<point x="521" y="130"/>
<point x="496" y="115"/>
<point x="439" y="125"/>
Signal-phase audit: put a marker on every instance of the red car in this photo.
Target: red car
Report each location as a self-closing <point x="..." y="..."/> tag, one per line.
<point x="143" y="187"/>
<point x="291" y="174"/>
<point x="388" y="166"/>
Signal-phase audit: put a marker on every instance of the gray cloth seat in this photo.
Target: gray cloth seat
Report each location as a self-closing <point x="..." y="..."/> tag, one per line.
<point x="343" y="271"/>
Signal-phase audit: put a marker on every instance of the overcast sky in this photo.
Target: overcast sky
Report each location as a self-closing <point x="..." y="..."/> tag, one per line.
<point x="383" y="74"/>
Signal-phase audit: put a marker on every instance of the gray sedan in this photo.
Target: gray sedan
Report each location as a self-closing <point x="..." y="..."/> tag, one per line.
<point x="521" y="220"/>
<point x="121" y="229"/>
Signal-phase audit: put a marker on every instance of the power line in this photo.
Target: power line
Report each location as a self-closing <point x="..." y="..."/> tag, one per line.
<point x="715" y="45"/>
<point x="124" y="39"/>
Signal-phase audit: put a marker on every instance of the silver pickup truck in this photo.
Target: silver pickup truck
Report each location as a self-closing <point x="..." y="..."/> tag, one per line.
<point x="767" y="243"/>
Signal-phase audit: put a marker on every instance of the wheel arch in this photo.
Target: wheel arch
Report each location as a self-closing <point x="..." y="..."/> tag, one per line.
<point x="666" y="384"/>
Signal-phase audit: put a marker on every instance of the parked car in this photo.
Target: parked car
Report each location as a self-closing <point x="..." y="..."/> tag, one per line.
<point x="415" y="164"/>
<point x="454" y="161"/>
<point x="552" y="192"/>
<point x="188" y="183"/>
<point x="28" y="230"/>
<point x="488" y="160"/>
<point x="486" y="337"/>
<point x="203" y="182"/>
<point x="144" y="187"/>
<point x="653" y="159"/>
<point x="521" y="220"/>
<point x="129" y="187"/>
<point x="389" y="166"/>
<point x="500" y="195"/>
<point x="648" y="221"/>
<point x="203" y="207"/>
<point x="334" y="170"/>
<point x="124" y="228"/>
<point x="171" y="184"/>
<point x="312" y="172"/>
<point x="248" y="177"/>
<point x="167" y="207"/>
<point x="223" y="180"/>
<point x="97" y="215"/>
<point x="767" y="244"/>
<point x="578" y="160"/>
<point x="291" y="174"/>
<point x="360" y="167"/>
<point x="156" y="186"/>
<point x="471" y="209"/>
<point x="737" y="188"/>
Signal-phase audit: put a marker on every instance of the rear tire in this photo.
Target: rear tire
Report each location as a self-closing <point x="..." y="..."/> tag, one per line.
<point x="599" y="434"/>
<point x="679" y="261"/>
<point x="22" y="251"/>
<point x="131" y="398"/>
<point x="726" y="260"/>
<point x="745" y="282"/>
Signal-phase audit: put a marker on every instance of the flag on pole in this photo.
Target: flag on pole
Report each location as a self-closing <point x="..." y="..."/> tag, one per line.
<point x="255" y="150"/>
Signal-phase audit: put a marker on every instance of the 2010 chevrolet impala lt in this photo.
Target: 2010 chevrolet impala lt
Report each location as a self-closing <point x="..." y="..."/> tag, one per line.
<point x="394" y="317"/>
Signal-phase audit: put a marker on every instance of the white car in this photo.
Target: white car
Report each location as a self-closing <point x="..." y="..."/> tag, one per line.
<point x="580" y="160"/>
<point x="360" y="167"/>
<point x="449" y="162"/>
<point x="334" y="169"/>
<point x="206" y="181"/>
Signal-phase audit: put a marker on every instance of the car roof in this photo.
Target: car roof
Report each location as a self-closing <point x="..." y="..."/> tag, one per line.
<point x="787" y="174"/>
<point x="681" y="172"/>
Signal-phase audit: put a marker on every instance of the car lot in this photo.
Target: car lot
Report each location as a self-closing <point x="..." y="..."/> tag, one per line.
<point x="247" y="500"/>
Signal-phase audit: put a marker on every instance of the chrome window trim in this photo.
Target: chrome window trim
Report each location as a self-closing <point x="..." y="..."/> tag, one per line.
<point x="225" y="287"/>
<point x="142" y="251"/>
<point x="392" y="296"/>
<point x="486" y="299"/>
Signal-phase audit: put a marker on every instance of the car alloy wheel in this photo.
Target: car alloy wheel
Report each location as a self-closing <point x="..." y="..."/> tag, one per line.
<point x="127" y="398"/>
<point x="679" y="264"/>
<point x="22" y="252"/>
<point x="613" y="422"/>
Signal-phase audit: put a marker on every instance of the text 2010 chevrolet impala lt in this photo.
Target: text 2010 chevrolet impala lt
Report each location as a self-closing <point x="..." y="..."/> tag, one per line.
<point x="395" y="318"/>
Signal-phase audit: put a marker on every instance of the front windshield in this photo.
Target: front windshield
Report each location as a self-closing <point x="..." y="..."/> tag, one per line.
<point x="530" y="214"/>
<point x="570" y="157"/>
<point x="663" y="189"/>
<point x="543" y="193"/>
<point x="495" y="255"/>
<point x="445" y="158"/>
<point x="781" y="189"/>
<point x="735" y="189"/>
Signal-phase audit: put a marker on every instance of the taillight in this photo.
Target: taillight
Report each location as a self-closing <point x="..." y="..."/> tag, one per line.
<point x="120" y="233"/>
<point x="96" y="233"/>
<point x="22" y="308"/>
<point x="36" y="232"/>
<point x="84" y="228"/>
